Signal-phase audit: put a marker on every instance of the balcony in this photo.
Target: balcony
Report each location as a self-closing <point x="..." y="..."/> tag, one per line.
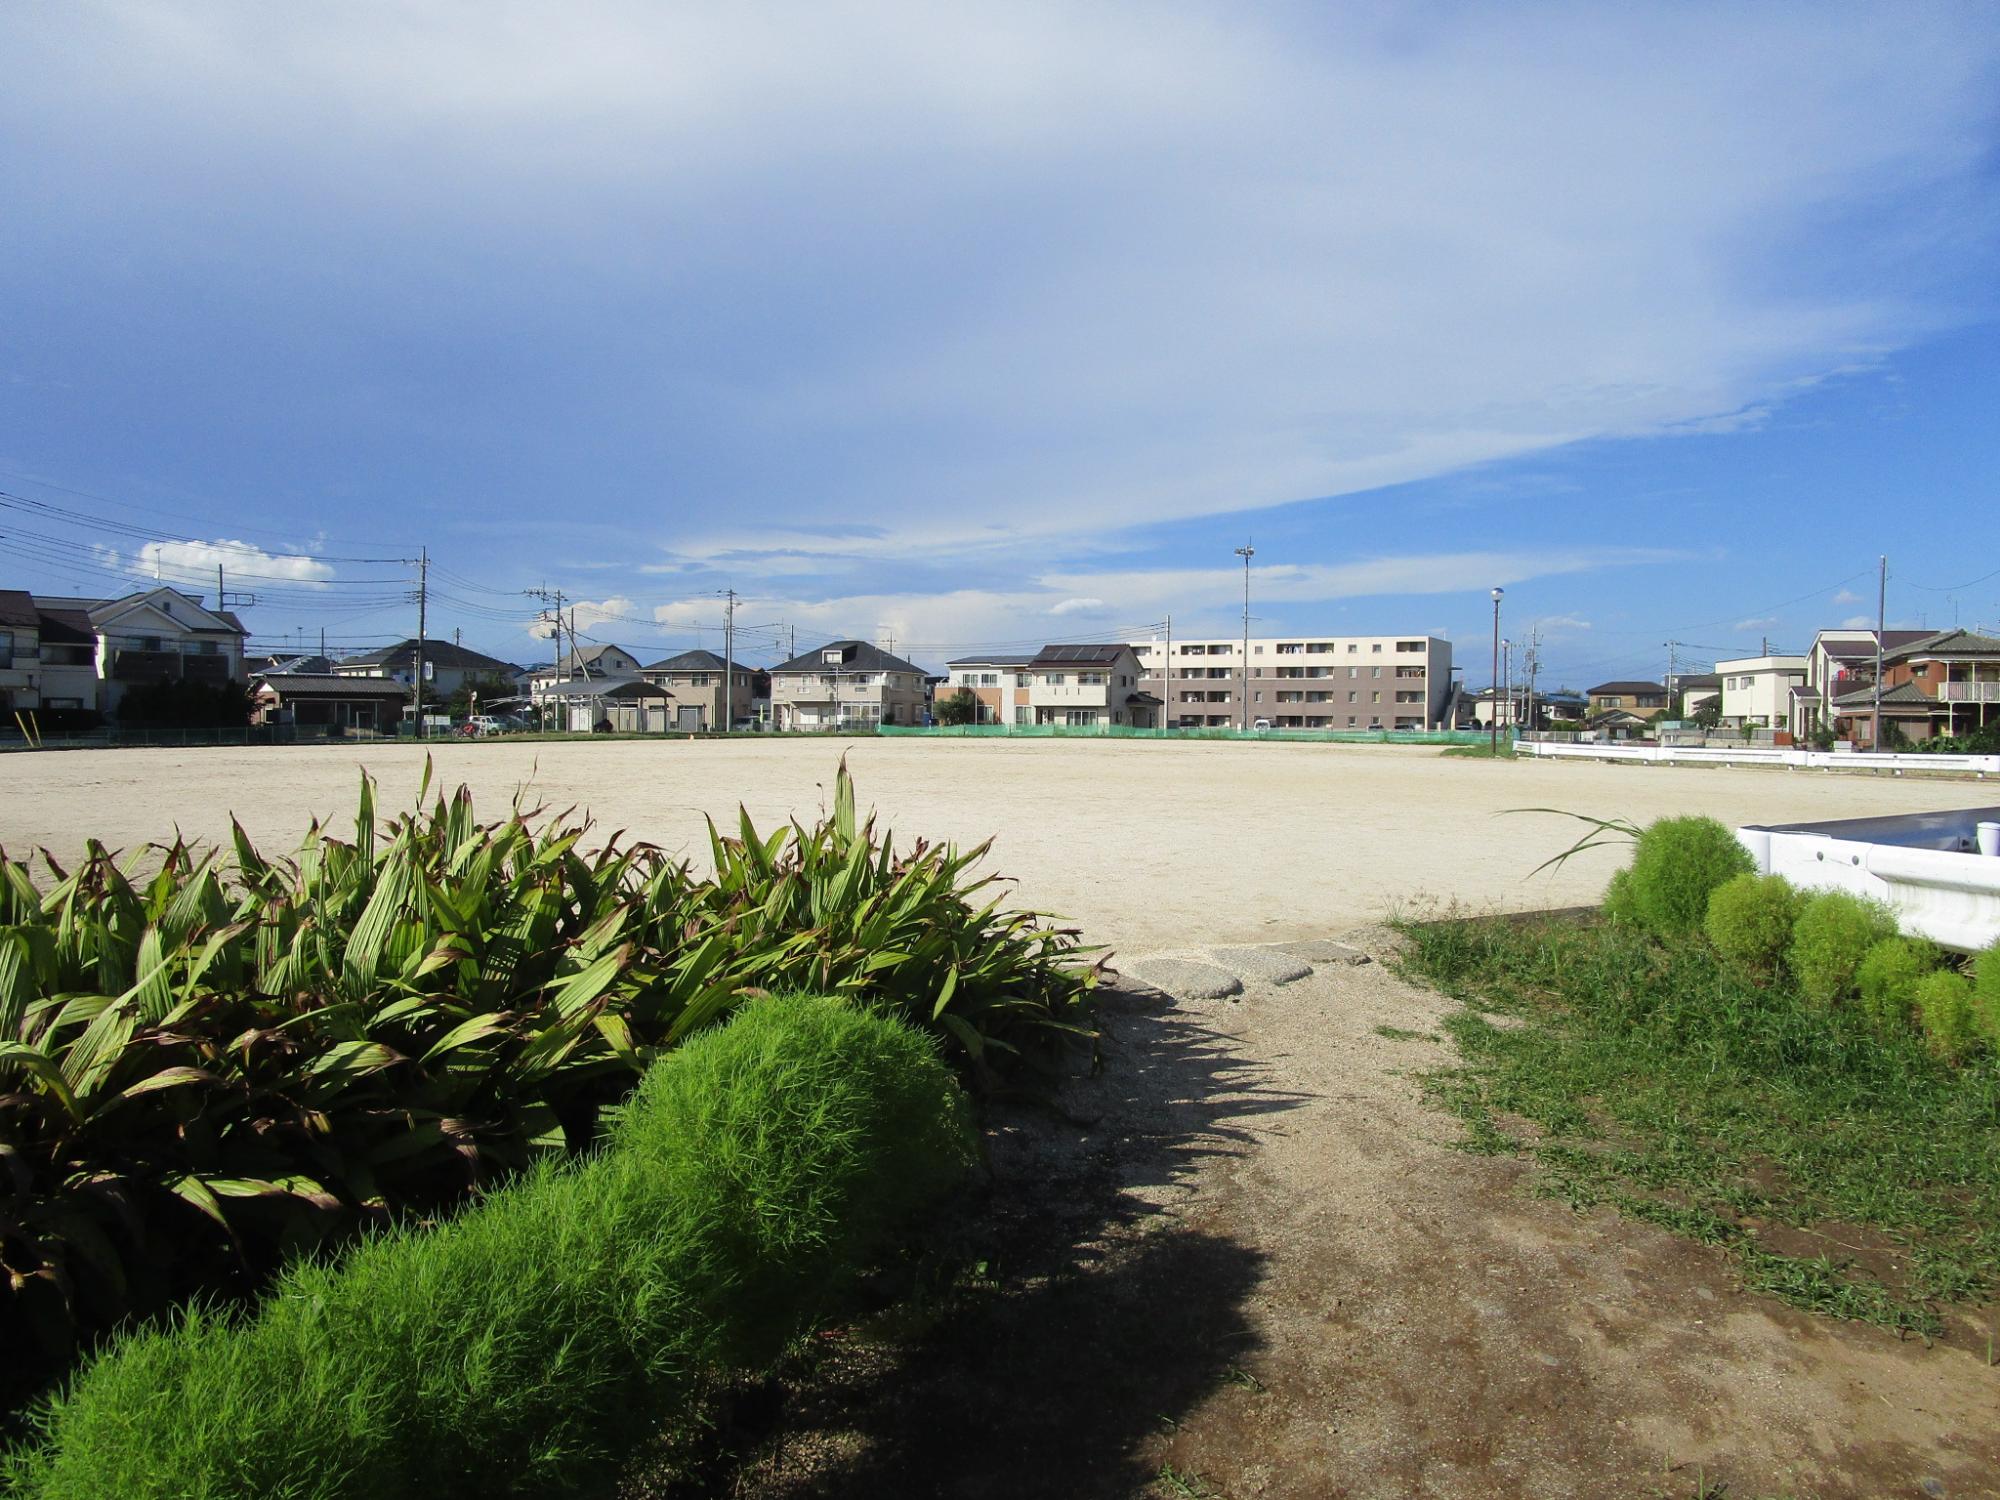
<point x="1968" y="692"/>
<point x="129" y="665"/>
<point x="205" y="668"/>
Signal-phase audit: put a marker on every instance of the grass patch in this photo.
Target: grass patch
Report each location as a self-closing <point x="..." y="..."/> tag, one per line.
<point x="1485" y="752"/>
<point x="1401" y="1034"/>
<point x="1847" y="1170"/>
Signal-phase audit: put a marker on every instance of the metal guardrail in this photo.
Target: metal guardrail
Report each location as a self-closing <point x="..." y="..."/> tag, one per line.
<point x="1127" y="732"/>
<point x="1752" y="755"/>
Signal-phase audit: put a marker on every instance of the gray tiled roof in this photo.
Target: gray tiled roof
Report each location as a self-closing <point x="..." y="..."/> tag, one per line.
<point x="858" y="656"/>
<point x="1948" y="643"/>
<point x="696" y="661"/>
<point x="442" y="656"/>
<point x="317" y="685"/>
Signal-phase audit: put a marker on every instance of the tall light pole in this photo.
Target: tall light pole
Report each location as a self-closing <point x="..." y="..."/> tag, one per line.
<point x="1246" y="553"/>
<point x="1493" y="737"/>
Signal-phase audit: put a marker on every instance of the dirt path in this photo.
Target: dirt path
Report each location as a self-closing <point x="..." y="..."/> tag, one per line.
<point x="1249" y="1263"/>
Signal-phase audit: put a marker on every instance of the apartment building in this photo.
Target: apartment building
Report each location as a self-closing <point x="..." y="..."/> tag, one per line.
<point x="1000" y="684"/>
<point x="693" y="680"/>
<point x="1391" y="682"/>
<point x="846" y="684"/>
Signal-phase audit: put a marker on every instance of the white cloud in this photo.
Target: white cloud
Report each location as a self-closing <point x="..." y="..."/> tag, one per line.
<point x="1847" y="596"/>
<point x="1858" y="622"/>
<point x="1089" y="266"/>
<point x="1561" y="625"/>
<point x="1760" y="622"/>
<point x="1077" y="607"/>
<point x="585" y="616"/>
<point x="244" y="565"/>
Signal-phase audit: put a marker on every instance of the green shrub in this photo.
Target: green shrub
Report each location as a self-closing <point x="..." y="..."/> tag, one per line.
<point x="1750" y="920"/>
<point x="384" y="1025"/>
<point x="1888" y="976"/>
<point x="1618" y="905"/>
<point x="1950" y="1018"/>
<point x="1676" y="865"/>
<point x="1831" y="937"/>
<point x="528" y="1345"/>
<point x="1986" y="993"/>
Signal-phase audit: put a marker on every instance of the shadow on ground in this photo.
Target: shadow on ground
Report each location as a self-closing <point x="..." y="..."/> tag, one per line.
<point x="1101" y="1317"/>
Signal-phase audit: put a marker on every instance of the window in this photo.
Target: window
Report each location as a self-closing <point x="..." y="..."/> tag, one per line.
<point x="1022" y="714"/>
<point x="698" y="679"/>
<point x="989" y="679"/>
<point x="830" y="658"/>
<point x="1409" y="645"/>
<point x="1376" y="648"/>
<point x="1023" y="679"/>
<point x="1351" y="649"/>
<point x="1290" y="648"/>
<point x="6" y="645"/>
<point x="1090" y="679"/>
<point x="1374" y="697"/>
<point x="1052" y="679"/>
<point x="1374" y="671"/>
<point x="1350" y="699"/>
<point x="1260" y="651"/>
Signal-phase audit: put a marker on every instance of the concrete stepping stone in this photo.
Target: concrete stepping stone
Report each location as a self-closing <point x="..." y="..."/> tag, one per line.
<point x="1267" y="965"/>
<point x="1186" y="978"/>
<point x="1325" y="951"/>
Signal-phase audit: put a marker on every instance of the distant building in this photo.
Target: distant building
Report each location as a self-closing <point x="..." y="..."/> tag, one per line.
<point x="447" y="668"/>
<point x="693" y="682"/>
<point x="1089" y="686"/>
<point x="325" y="701"/>
<point x="1299" y="682"/>
<point x="1757" y="691"/>
<point x="846" y="685"/>
<point x="999" y="683"/>
<point x="1636" y="700"/>
<point x="85" y="654"/>
<point x="1945" y="682"/>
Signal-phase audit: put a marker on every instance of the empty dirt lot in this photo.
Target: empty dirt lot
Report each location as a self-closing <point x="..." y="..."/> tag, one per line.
<point x="1245" y="1259"/>
<point x="1144" y="845"/>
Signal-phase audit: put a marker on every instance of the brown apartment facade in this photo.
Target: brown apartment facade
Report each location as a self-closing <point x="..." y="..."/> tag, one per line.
<point x="1341" y="682"/>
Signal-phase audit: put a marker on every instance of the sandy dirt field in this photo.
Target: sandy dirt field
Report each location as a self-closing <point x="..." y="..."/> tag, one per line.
<point x="1245" y="1259"/>
<point x="1144" y="845"/>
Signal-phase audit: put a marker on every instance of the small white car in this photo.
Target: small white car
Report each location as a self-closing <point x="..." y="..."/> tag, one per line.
<point x="481" y="724"/>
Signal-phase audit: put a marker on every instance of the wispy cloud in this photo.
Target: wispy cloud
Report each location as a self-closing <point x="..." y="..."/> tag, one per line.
<point x="586" y="615"/>
<point x="1847" y="596"/>
<point x="1760" y="622"/>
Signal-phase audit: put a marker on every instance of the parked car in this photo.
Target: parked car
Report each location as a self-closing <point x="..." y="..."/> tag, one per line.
<point x="483" y="724"/>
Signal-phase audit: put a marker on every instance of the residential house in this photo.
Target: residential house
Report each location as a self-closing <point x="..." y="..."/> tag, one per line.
<point x="1334" y="682"/>
<point x="999" y="683"/>
<point x="20" y="653"/>
<point x="1944" y="682"/>
<point x="846" y="685"/>
<point x="329" y="702"/>
<point x="447" y="668"/>
<point x="1840" y="663"/>
<point x="1758" y="691"/>
<point x="264" y="666"/>
<point x="625" y="705"/>
<point x="693" y="681"/>
<point x="1637" y="700"/>
<point x="1090" y="686"/>
<point x="1696" y="690"/>
<point x="579" y="676"/>
<point x="94" y="650"/>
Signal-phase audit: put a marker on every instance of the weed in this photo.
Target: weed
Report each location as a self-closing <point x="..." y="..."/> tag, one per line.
<point x="1399" y="1034"/>
<point x="1889" y="976"/>
<point x="1676" y="866"/>
<point x="1946" y="1009"/>
<point x="1659" y="1080"/>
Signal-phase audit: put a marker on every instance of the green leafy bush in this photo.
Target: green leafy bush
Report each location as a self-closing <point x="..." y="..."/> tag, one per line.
<point x="1986" y="993"/>
<point x="210" y="1068"/>
<point x="1831" y="937"/>
<point x="529" y="1344"/>
<point x="1888" y="977"/>
<point x="1750" y="920"/>
<point x="1618" y="905"/>
<point x="1677" y="864"/>
<point x="1950" y="1018"/>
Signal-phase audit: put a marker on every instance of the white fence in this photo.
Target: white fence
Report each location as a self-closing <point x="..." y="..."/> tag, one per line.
<point x="1755" y="755"/>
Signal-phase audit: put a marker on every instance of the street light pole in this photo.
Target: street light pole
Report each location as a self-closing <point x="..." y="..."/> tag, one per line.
<point x="1493" y="737"/>
<point x="1246" y="553"/>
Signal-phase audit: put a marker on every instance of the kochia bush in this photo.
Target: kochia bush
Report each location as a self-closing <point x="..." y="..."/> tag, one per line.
<point x="1750" y="920"/>
<point x="528" y="1345"/>
<point x="1831" y="937"/>
<point x="1677" y="864"/>
<point x="1986" y="993"/>
<point x="1889" y="975"/>
<point x="1950" y="1018"/>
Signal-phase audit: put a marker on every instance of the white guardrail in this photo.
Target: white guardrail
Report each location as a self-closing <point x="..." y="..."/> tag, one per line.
<point x="1753" y="755"/>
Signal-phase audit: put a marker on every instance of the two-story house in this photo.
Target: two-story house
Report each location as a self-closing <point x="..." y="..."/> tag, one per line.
<point x="1000" y="684"/>
<point x="447" y="668"/>
<point x="156" y="635"/>
<point x="1639" y="699"/>
<point x="693" y="682"/>
<point x="1759" y="692"/>
<point x="1945" y="682"/>
<point x="1090" y="686"/>
<point x="20" y="652"/>
<point x="846" y="685"/>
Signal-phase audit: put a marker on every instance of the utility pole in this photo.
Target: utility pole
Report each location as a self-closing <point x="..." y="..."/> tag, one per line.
<point x="729" y="663"/>
<point x="1881" y="622"/>
<point x="1507" y="679"/>
<point x="423" y="606"/>
<point x="1534" y="662"/>
<point x="1246" y="553"/>
<point x="1671" y="647"/>
<point x="1493" y="721"/>
<point x="552" y="612"/>
<point x="1167" y="674"/>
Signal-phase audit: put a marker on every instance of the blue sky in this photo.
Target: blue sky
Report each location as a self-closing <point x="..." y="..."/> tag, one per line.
<point x="976" y="327"/>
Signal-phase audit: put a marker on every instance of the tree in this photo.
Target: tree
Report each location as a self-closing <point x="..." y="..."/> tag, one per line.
<point x="1709" y="715"/>
<point x="488" y="687"/>
<point x="962" y="707"/>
